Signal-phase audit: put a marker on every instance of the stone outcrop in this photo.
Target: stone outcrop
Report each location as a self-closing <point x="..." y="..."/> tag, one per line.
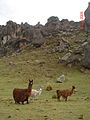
<point x="35" y="34"/>
<point x="38" y="38"/>
<point x="85" y="61"/>
<point x="14" y="35"/>
<point x="87" y="18"/>
<point x="54" y="26"/>
<point x="86" y="56"/>
<point x="67" y="36"/>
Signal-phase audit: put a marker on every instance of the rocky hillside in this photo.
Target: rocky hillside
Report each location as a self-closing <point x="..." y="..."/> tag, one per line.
<point x="65" y="37"/>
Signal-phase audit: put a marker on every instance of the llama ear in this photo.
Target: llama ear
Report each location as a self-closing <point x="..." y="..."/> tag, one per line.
<point x="73" y="87"/>
<point x="30" y="80"/>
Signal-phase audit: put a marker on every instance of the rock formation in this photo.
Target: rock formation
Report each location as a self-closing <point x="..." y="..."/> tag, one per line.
<point x="68" y="38"/>
<point x="87" y="18"/>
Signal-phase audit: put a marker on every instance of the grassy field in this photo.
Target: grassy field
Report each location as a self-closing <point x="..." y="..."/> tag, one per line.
<point x="44" y="69"/>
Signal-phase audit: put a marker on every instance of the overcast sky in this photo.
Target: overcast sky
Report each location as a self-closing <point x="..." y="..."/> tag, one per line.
<point x="33" y="11"/>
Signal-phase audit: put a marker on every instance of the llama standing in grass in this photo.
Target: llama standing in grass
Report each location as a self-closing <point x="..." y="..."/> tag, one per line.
<point x="65" y="93"/>
<point x="35" y="93"/>
<point x="21" y="95"/>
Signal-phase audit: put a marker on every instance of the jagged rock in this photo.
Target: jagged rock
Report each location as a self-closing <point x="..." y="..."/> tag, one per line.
<point x="14" y="37"/>
<point x="62" y="46"/>
<point x="37" y="39"/>
<point x="69" y="26"/>
<point x="53" y="19"/>
<point x="16" y="45"/>
<point x="13" y="32"/>
<point x="88" y="37"/>
<point x="39" y="26"/>
<point x="52" y="25"/>
<point x="65" y="57"/>
<point x="74" y="59"/>
<point x="11" y="28"/>
<point x="3" y="52"/>
<point x="87" y="18"/>
<point x="86" y="58"/>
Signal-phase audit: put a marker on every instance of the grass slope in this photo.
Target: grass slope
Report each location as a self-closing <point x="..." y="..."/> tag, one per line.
<point x="44" y="69"/>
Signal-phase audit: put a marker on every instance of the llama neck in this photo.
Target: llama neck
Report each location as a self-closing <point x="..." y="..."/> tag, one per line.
<point x="29" y="88"/>
<point x="71" y="91"/>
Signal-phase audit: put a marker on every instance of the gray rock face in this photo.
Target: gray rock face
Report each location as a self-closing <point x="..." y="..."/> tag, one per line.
<point x="37" y="39"/>
<point x="87" y="18"/>
<point x="86" y="57"/>
<point x="55" y="26"/>
<point x="65" y="24"/>
<point x="53" y="19"/>
<point x="13" y="32"/>
<point x="52" y="25"/>
<point x="14" y="37"/>
<point x="34" y="34"/>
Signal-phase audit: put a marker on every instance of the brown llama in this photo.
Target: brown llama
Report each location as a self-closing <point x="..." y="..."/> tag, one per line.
<point x="21" y="95"/>
<point x="65" y="93"/>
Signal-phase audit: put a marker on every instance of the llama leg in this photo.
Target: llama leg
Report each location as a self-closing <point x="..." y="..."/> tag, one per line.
<point x="27" y="102"/>
<point x="58" y="97"/>
<point x="66" y="99"/>
<point x="22" y="102"/>
<point x="16" y="102"/>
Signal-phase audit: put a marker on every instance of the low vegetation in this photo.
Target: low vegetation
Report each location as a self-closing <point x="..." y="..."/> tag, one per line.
<point x="44" y="69"/>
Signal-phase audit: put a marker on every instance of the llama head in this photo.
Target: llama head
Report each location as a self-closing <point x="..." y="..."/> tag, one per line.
<point x="40" y="89"/>
<point x="73" y="87"/>
<point x="57" y="91"/>
<point x="30" y="83"/>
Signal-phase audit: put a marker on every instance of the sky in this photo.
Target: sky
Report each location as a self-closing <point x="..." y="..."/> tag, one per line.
<point x="34" y="11"/>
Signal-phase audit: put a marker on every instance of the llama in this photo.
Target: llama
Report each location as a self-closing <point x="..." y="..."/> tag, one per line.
<point x="35" y="93"/>
<point x="65" y="93"/>
<point x="21" y="95"/>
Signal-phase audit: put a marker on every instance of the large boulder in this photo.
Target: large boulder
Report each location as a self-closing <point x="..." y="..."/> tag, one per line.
<point x="38" y="38"/>
<point x="53" y="25"/>
<point x="86" y="57"/>
<point x="53" y="19"/>
<point x="87" y="18"/>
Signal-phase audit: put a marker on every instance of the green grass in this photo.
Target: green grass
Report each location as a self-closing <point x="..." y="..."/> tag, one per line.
<point x="44" y="69"/>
